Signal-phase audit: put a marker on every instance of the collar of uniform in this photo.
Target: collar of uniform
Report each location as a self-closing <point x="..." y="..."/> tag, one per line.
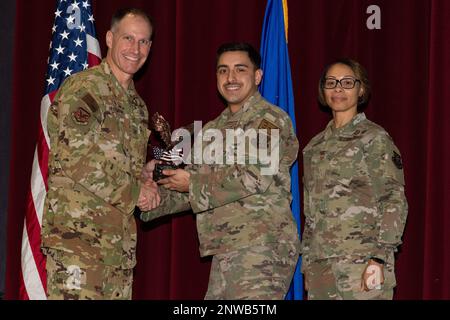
<point x="107" y="69"/>
<point x="254" y="99"/>
<point x="346" y="130"/>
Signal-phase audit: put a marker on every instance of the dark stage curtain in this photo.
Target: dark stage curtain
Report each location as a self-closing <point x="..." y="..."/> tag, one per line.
<point x="7" y="40"/>
<point x="407" y="61"/>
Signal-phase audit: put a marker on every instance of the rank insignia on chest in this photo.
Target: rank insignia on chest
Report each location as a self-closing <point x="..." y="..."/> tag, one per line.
<point x="230" y="125"/>
<point x="136" y="102"/>
<point x="81" y="116"/>
<point x="397" y="160"/>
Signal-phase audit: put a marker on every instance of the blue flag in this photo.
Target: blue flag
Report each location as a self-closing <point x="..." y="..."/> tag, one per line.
<point x="276" y="87"/>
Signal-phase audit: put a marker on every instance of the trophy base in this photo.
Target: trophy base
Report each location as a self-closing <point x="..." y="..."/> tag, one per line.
<point x="158" y="172"/>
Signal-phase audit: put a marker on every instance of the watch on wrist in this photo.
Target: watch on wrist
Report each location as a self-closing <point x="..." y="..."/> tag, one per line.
<point x="378" y="260"/>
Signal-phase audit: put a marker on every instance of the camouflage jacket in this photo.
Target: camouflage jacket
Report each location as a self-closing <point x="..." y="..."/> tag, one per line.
<point x="98" y="139"/>
<point x="237" y="205"/>
<point x="354" y="201"/>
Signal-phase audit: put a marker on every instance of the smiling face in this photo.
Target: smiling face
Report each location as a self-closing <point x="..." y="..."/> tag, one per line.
<point x="237" y="78"/>
<point x="339" y="99"/>
<point x="128" y="47"/>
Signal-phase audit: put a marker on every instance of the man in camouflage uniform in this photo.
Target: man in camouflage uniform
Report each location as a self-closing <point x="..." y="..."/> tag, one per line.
<point x="98" y="137"/>
<point x="354" y="201"/>
<point x="243" y="216"/>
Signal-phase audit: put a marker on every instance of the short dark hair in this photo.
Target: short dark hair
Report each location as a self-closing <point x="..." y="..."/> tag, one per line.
<point x="123" y="12"/>
<point x="254" y="55"/>
<point x="360" y="74"/>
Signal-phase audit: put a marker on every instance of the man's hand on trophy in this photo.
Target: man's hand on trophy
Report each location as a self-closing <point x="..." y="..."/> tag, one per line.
<point x="149" y="197"/>
<point x="177" y="180"/>
<point x="147" y="171"/>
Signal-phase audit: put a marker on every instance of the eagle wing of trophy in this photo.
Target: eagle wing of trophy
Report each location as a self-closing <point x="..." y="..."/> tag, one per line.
<point x="162" y="126"/>
<point x="172" y="158"/>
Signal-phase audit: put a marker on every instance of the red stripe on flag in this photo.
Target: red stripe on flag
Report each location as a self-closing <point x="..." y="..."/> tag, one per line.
<point x="34" y="238"/>
<point x="43" y="155"/>
<point x="93" y="60"/>
<point x="52" y="95"/>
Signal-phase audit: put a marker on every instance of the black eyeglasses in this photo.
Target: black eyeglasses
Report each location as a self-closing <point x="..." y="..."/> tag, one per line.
<point x="346" y="83"/>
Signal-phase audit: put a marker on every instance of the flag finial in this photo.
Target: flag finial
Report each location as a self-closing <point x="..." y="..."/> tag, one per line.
<point x="285" y="14"/>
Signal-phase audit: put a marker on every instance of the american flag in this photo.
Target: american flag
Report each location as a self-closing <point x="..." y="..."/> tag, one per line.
<point x="73" y="48"/>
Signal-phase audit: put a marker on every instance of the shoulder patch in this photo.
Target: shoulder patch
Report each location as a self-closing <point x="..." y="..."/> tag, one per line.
<point x="81" y="116"/>
<point x="266" y="124"/>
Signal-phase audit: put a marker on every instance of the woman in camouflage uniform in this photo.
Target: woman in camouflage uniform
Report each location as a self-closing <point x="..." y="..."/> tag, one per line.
<point x="354" y="200"/>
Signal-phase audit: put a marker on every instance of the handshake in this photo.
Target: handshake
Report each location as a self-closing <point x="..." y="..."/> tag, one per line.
<point x="175" y="180"/>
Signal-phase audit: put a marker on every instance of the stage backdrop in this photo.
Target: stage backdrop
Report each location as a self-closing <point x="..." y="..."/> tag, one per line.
<point x="407" y="61"/>
<point x="7" y="41"/>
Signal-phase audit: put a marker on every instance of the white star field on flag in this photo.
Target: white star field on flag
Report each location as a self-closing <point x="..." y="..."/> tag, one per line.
<point x="68" y="55"/>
